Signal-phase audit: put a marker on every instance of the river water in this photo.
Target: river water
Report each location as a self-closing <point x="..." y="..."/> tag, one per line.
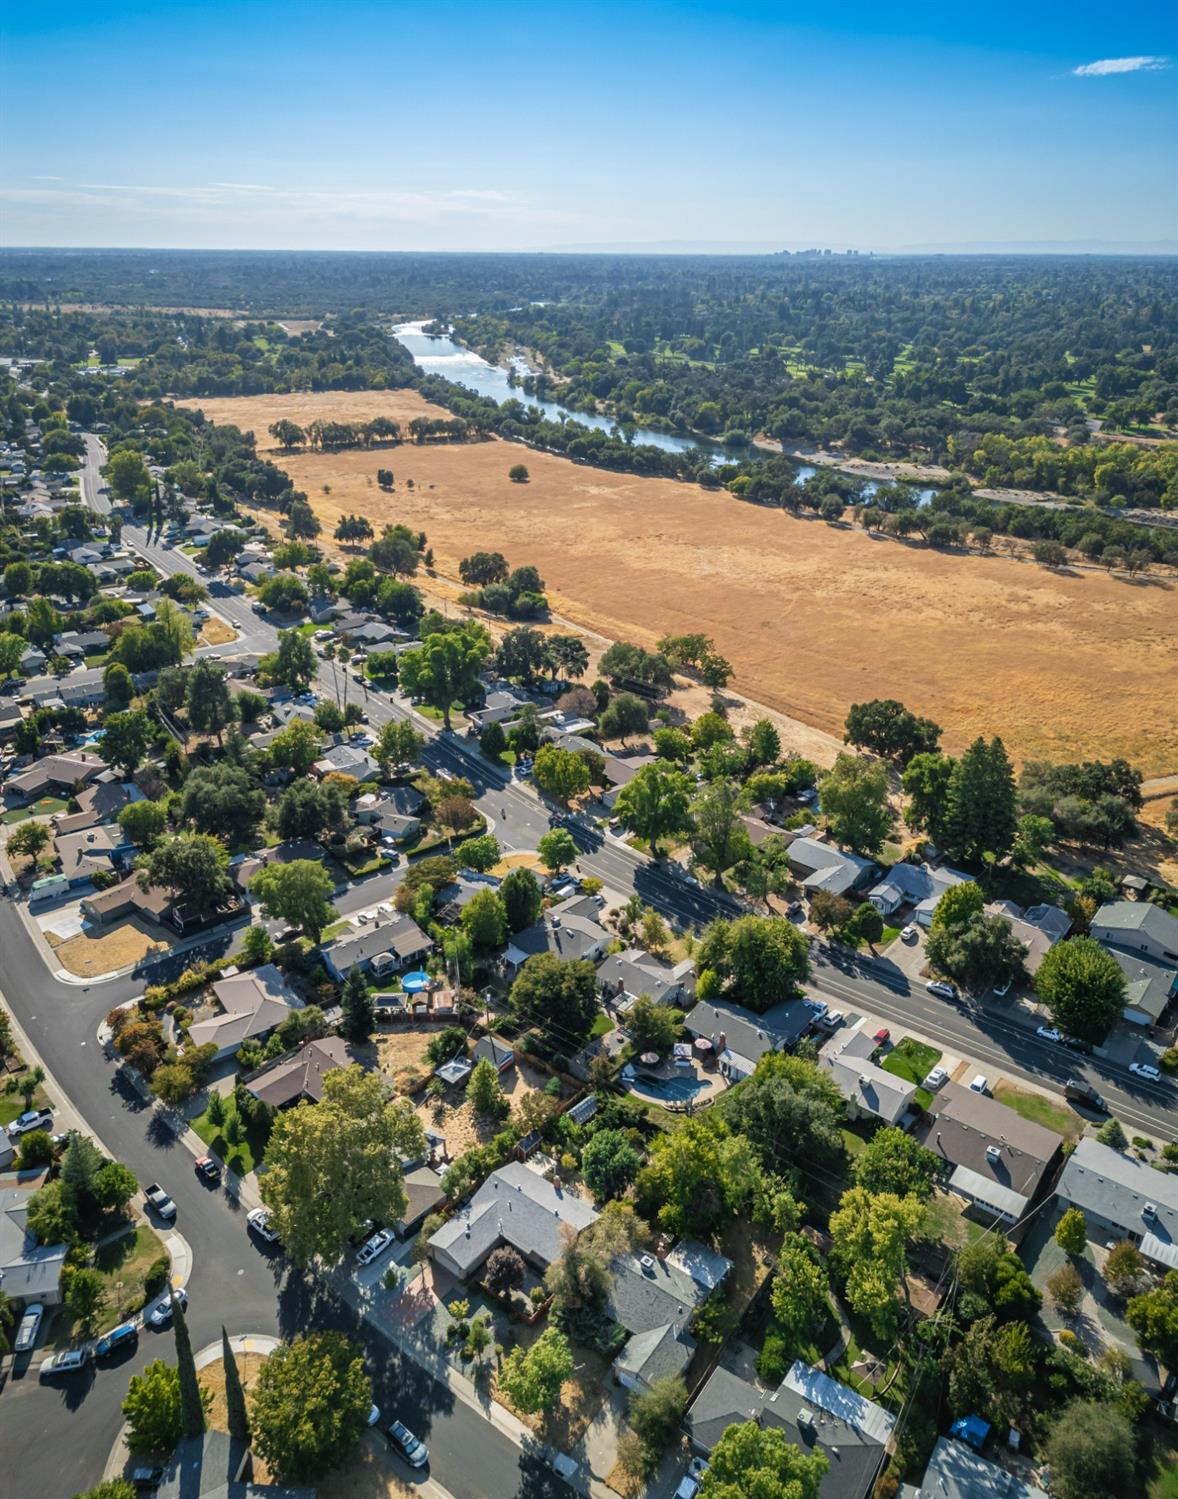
<point x="436" y="354"/>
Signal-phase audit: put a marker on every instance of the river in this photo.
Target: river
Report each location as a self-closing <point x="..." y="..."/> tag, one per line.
<point x="437" y="354"/>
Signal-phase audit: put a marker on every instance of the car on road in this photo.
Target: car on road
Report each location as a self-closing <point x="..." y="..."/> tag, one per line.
<point x="1146" y="1070"/>
<point x="208" y="1168"/>
<point x="374" y="1246"/>
<point x="1075" y="1043"/>
<point x="941" y="989"/>
<point x="830" y="1021"/>
<point x="161" y="1313"/>
<point x="259" y="1220"/>
<point x="1048" y="1033"/>
<point x="70" y="1361"/>
<point x="908" y="933"/>
<point x="121" y="1336"/>
<point x="411" y="1448"/>
<point x="30" y="1326"/>
<point x="937" y="1078"/>
<point x="160" y="1202"/>
<point x="882" y="1036"/>
<point x="374" y="1415"/>
<point x="1078" y="1091"/>
<point x="31" y="1119"/>
<point x="980" y="1084"/>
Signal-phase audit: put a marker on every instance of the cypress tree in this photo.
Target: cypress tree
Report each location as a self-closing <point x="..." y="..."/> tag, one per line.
<point x="982" y="812"/>
<point x="359" y="1013"/>
<point x="192" y="1410"/>
<point x="239" y="1425"/>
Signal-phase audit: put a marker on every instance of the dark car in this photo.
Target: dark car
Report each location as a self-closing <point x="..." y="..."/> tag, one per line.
<point x="1075" y="1043"/>
<point x="123" y="1336"/>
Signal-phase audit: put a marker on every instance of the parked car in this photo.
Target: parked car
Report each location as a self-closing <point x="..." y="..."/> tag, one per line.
<point x="159" y="1200"/>
<point x="31" y="1119"/>
<point x="1048" y="1033"/>
<point x="882" y="1036"/>
<point x="207" y="1167"/>
<point x="411" y="1448"/>
<point x="830" y="1021"/>
<point x="1002" y="990"/>
<point x="908" y="933"/>
<point x="941" y="989"/>
<point x="145" y="1479"/>
<point x="937" y="1078"/>
<point x="1081" y="1092"/>
<point x="161" y="1313"/>
<point x="980" y="1084"/>
<point x="30" y="1326"/>
<point x="1075" y="1043"/>
<point x="374" y="1415"/>
<point x="121" y="1336"/>
<point x="1146" y="1070"/>
<point x="374" y="1247"/>
<point x="689" y="1484"/>
<point x="815" y="1006"/>
<point x="259" y="1220"/>
<point x="71" y="1361"/>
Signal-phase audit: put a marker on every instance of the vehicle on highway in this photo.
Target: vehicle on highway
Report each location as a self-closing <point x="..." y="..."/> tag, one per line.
<point x="980" y="1084"/>
<point x="1146" y="1070"/>
<point x="909" y="933"/>
<point x="830" y="1021"/>
<point x="161" y="1313"/>
<point x="1081" y="1092"/>
<point x="941" y="989"/>
<point x="882" y="1036"/>
<point x="937" y="1078"/>
<point x="374" y="1247"/>
<point x="121" y="1336"/>
<point x="207" y="1167"/>
<point x="70" y="1361"/>
<point x="30" y="1326"/>
<point x="259" y="1220"/>
<point x="411" y="1448"/>
<point x="1048" y="1033"/>
<point x="31" y="1119"/>
<point x="160" y="1202"/>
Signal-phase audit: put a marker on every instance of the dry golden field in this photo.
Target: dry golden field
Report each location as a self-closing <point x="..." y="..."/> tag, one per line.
<point x="1065" y="665"/>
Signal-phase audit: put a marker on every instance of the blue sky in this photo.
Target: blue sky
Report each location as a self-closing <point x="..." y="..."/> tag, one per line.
<point x="356" y="125"/>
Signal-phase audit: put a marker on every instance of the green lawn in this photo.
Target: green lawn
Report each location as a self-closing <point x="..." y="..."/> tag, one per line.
<point x="124" y="1263"/>
<point x="890" y="933"/>
<point x="1040" y="1110"/>
<point x="944" y="1223"/>
<point x="601" y="1027"/>
<point x="854" y="1144"/>
<point x="913" y="1061"/>
<point x="242" y="1158"/>
<point x="42" y="808"/>
<point x="12" y="1104"/>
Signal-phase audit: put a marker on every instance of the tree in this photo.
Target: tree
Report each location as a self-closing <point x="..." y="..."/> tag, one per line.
<point x="893" y="1161"/>
<point x="654" y="804"/>
<point x="479" y="854"/>
<point x="175" y="627"/>
<point x="698" y="1177"/>
<point x="125" y="737"/>
<point x="51" y="1216"/>
<point x="295" y="665"/>
<point x="1071" y="1232"/>
<point x="310" y="1405"/>
<point x="981" y="952"/>
<point x="625" y="714"/>
<point x="568" y="656"/>
<point x="673" y="745"/>
<point x="557" y="849"/>
<point x="1066" y="1289"/>
<point x="222" y="548"/>
<point x="532" y="1380"/>
<point x="522" y="898"/>
<point x="143" y="822"/>
<point x="801" y="1291"/>
<point x="1154" y="1318"/>
<point x="297" y="746"/>
<point x="1112" y="1134"/>
<point x="720" y="837"/>
<point x="1124" y="1268"/>
<point x="444" y="669"/>
<point x="398" y="743"/>
<point x="484" y="1090"/>
<point x="981" y="807"/>
<point x="854" y="796"/>
<point x="152" y="1409"/>
<point x="560" y="772"/>
<point x="652" y="1027"/>
<point x="298" y="893"/>
<point x="656" y="1414"/>
<point x="482" y="568"/>
<point x="518" y="473"/>
<point x="992" y="1370"/>
<point x="609" y="1163"/>
<point x="761" y="958"/>
<point x="485" y="921"/>
<point x="764" y="742"/>
<point x="359" y="1012"/>
<point x="307" y="808"/>
<point x="554" y="992"/>
<point x="110" y="1488"/>
<point x="208" y="703"/>
<point x="493" y="741"/>
<point x="1082" y="986"/>
<point x="114" y="1186"/>
<point x="504" y="1270"/>
<point x="192" y="1397"/>
<point x="29" y="839"/>
<point x="85" y="1298"/>
<point x="871" y="1233"/>
<point x="332" y="1164"/>
<point x="750" y="1463"/>
<point x="127" y="475"/>
<point x="223" y="800"/>
<point x="887" y="728"/>
<point x="522" y="653"/>
<point x="190" y="864"/>
<point x="1092" y="1450"/>
<point x="116" y="684"/>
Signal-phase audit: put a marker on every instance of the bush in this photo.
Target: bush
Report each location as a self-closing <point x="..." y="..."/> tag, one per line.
<point x="157" y="1275"/>
<point x="774" y="1358"/>
<point x="1169" y="1059"/>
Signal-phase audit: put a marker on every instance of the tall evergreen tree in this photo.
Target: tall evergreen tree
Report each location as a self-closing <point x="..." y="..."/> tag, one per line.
<point x="239" y="1425"/>
<point x="359" y="1013"/>
<point x="982" y="814"/>
<point x="192" y="1410"/>
<point x="79" y="1166"/>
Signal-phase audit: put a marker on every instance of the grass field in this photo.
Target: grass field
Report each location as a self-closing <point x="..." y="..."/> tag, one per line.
<point x="813" y="617"/>
<point x="913" y="1061"/>
<point x="1040" y="1110"/>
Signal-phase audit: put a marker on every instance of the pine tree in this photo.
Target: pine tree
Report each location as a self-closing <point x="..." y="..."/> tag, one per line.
<point x="239" y="1425"/>
<point x="982" y="812"/>
<point x="192" y="1410"/>
<point x="79" y="1166"/>
<point x="359" y="1012"/>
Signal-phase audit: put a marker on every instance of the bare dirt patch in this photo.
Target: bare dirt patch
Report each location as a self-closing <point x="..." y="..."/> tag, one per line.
<point x="400" y="1055"/>
<point x="456" y="1121"/>
<point x="216" y="632"/>
<point x="88" y="955"/>
<point x="1064" y="665"/>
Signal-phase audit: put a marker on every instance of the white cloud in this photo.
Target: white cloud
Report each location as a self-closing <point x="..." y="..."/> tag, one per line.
<point x="1109" y="65"/>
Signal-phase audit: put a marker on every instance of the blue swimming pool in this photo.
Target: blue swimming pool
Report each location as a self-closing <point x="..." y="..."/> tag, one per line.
<point x="671" y="1089"/>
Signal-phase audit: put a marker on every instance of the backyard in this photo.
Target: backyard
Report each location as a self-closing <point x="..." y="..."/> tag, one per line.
<point x="913" y="1061"/>
<point x="123" y="1263"/>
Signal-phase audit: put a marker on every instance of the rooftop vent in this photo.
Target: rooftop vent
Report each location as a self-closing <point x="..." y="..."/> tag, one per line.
<point x="647" y="1262"/>
<point x="1149" y="1210"/>
<point x="993" y="1154"/>
<point x="806" y="1417"/>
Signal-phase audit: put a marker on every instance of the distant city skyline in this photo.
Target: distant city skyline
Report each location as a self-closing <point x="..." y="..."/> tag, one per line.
<point x="737" y="126"/>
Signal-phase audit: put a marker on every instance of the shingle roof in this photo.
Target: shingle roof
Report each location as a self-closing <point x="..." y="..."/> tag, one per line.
<point x="748" y="1034"/>
<point x="847" y="1057"/>
<point x="402" y="936"/>
<point x="1117" y="1187"/>
<point x="965" y="1125"/>
<point x="254" y="1003"/>
<point x="955" y="1471"/>
<point x="29" y="1270"/>
<point x="515" y="1205"/>
<point x="1140" y="916"/>
<point x="300" y="1076"/>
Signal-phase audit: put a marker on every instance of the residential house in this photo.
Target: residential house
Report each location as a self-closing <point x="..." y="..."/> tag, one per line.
<point x="1124" y="1198"/>
<point x="243" y="867"/>
<point x="383" y="949"/>
<point x="105" y="907"/>
<point x="99" y="803"/>
<point x="812" y="1411"/>
<point x="94" y="850"/>
<point x="956" y="1471"/>
<point x="623" y="976"/>
<point x="397" y="814"/>
<point x="33" y="660"/>
<point x="620" y="770"/>
<point x="252" y="1004"/>
<point x="54" y="774"/>
<point x="1038" y="928"/>
<point x="12" y="715"/>
<point x="917" y="885"/>
<point x="217" y="1466"/>
<point x="373" y="634"/>
<point x="997" y="1160"/>
<point x="29" y="1271"/>
<point x="516" y="1206"/>
<point x="501" y="703"/>
<point x="255" y="572"/>
<point x="453" y="899"/>
<point x="292" y="1079"/>
<point x="566" y="936"/>
<point x="348" y="760"/>
<point x="870" y="1091"/>
<point x="498" y="1053"/>
<point x="741" y="1037"/>
<point x="654" y="1299"/>
<point x="78" y="644"/>
<point x="424" y="1195"/>
<point x="821" y="866"/>
<point x="1149" y="986"/>
<point x="1139" y="927"/>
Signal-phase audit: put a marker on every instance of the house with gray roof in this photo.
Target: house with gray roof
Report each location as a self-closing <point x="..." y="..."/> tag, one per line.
<point x="348" y="760"/>
<point x="253" y="1005"/>
<point x="654" y="1299"/>
<point x="215" y="1465"/>
<point x="956" y="1471"/>
<point x="623" y="976"/>
<point x="741" y="1037"/>
<point x="99" y="803"/>
<point x="516" y="1206"/>
<point x="1149" y="985"/>
<point x="1122" y="1197"/>
<point x="383" y="948"/>
<point x="812" y="1411"/>
<point x="917" y="885"/>
<point x="870" y="1091"/>
<point x="29" y="1271"/>
<point x="92" y="851"/>
<point x="1139" y="927"/>
<point x="821" y="866"/>
<point x="54" y="773"/>
<point x="566" y="936"/>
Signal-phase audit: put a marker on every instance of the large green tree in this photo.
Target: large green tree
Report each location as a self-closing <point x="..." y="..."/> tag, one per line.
<point x="1154" y="1318"/>
<point x="1083" y="987"/>
<point x="892" y="1161"/>
<point x="655" y="804"/>
<point x="192" y="865"/>
<point x="557" y="994"/>
<point x="522" y="898"/>
<point x="152" y="1409"/>
<point x="762" y="959"/>
<point x="560" y="773"/>
<point x="208" y="702"/>
<point x="854" y="796"/>
<point x="749" y="1462"/>
<point x="720" y="837"/>
<point x="532" y="1380"/>
<point x="699" y="1177"/>
<point x="444" y="669"/>
<point x="1092" y="1449"/>
<point x="310" y="1405"/>
<point x="871" y="1232"/>
<point x="125" y="737"/>
<point x="981" y="812"/>
<point x="801" y="1291"/>
<point x="299" y="893"/>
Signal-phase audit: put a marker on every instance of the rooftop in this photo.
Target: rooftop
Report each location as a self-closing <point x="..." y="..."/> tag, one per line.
<point x="515" y="1205"/>
<point x="956" y="1471"/>
<point x="1117" y="1187"/>
<point x="253" y="1002"/>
